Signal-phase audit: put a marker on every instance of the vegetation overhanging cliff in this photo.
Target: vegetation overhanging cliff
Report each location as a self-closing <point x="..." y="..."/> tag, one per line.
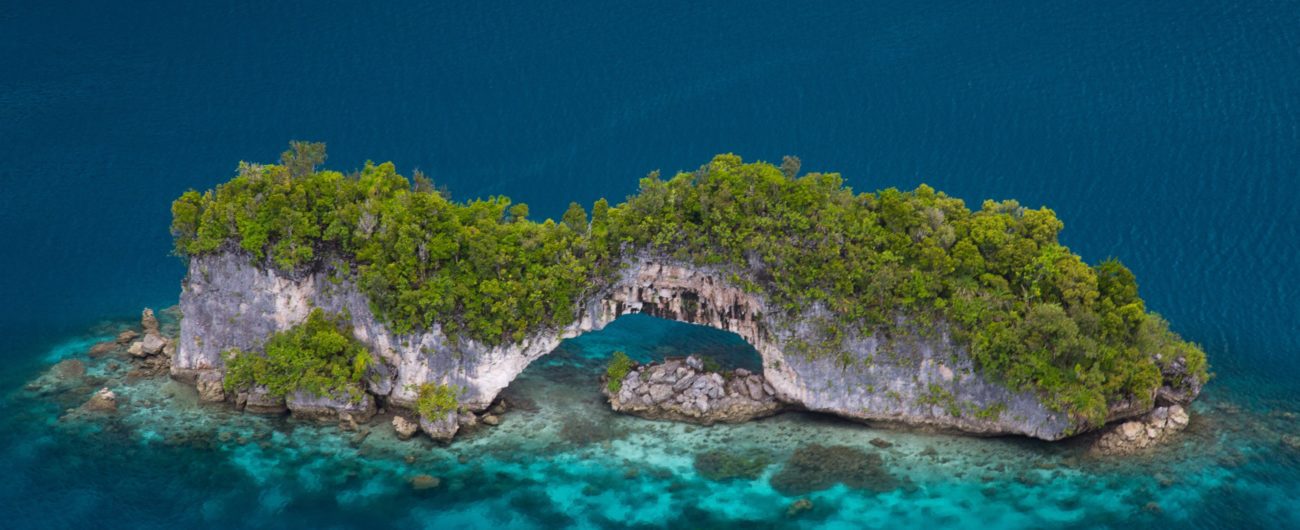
<point x="1033" y="315"/>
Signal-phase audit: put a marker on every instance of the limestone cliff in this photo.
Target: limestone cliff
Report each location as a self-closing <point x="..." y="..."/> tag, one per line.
<point x="920" y="380"/>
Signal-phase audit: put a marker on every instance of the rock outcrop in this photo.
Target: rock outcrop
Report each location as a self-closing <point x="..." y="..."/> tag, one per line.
<point x="441" y="430"/>
<point x="405" y="428"/>
<point x="104" y="400"/>
<point x="329" y="409"/>
<point x="1143" y="433"/>
<point x="927" y="380"/>
<point x="153" y="342"/>
<point x="259" y="401"/>
<point x="681" y="390"/>
<point x="210" y="387"/>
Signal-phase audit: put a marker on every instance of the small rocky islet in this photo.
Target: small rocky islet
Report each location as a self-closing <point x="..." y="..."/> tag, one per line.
<point x="363" y="367"/>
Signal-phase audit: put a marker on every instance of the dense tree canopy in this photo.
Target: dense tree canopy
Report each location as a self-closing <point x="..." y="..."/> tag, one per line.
<point x="319" y="356"/>
<point x="1033" y="314"/>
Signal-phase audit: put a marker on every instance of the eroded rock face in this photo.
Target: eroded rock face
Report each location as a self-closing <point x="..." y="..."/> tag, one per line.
<point x="329" y="409"/>
<point x="210" y="387"/>
<point x="1143" y="433"/>
<point x="680" y="390"/>
<point x="259" y="401"/>
<point x="921" y="380"/>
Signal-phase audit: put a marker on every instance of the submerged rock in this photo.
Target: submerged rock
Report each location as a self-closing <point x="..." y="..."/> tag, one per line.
<point x="424" y="482"/>
<point x="68" y="369"/>
<point x="816" y="467"/>
<point x="679" y="390"/>
<point x="126" y="336"/>
<point x="103" y="348"/>
<point x="1143" y="433"/>
<point x="1291" y="442"/>
<point x="580" y="431"/>
<point x="726" y="464"/>
<point x="798" y="507"/>
<point x="104" y="400"/>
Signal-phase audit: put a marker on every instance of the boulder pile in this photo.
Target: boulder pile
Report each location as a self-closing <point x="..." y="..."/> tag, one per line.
<point x="682" y="390"/>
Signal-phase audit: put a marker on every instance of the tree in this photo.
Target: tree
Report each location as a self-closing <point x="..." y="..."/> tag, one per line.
<point x="575" y="218"/>
<point x="518" y="213"/>
<point x="302" y="158"/>
<point x="421" y="183"/>
<point x="790" y="166"/>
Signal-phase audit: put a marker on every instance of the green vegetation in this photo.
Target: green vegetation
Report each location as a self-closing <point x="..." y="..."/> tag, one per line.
<point x="619" y="365"/>
<point x="469" y="267"/>
<point x="435" y="401"/>
<point x="319" y="357"/>
<point x="1033" y="314"/>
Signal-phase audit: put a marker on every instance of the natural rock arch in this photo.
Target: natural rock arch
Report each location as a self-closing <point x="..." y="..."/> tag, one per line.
<point x="229" y="302"/>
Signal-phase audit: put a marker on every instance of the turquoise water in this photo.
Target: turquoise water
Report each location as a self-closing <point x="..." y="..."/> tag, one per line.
<point x="1165" y="133"/>
<point x="561" y="458"/>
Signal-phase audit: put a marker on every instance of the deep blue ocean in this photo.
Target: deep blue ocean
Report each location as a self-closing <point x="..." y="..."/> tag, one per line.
<point x="1164" y="133"/>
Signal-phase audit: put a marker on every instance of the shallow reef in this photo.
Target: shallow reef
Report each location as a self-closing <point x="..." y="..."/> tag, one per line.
<point x="560" y="458"/>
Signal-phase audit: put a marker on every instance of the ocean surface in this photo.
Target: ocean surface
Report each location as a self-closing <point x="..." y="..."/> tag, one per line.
<point x="1165" y="133"/>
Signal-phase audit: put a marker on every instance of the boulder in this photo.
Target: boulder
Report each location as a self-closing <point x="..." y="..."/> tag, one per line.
<point x="678" y="390"/>
<point x="153" y="343"/>
<point x="695" y="363"/>
<point x="137" y="349"/>
<point x="104" y="400"/>
<point x="149" y="322"/>
<point x="492" y="419"/>
<point x="659" y="393"/>
<point x="405" y="428"/>
<point x="1143" y="433"/>
<point x="127" y="336"/>
<point x="441" y="430"/>
<point x="210" y="387"/>
<point x="1178" y="417"/>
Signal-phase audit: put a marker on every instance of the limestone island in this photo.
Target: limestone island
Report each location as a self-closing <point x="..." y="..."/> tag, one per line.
<point x="332" y="296"/>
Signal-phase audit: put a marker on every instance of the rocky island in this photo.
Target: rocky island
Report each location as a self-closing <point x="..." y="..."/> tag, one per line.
<point x="331" y="296"/>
